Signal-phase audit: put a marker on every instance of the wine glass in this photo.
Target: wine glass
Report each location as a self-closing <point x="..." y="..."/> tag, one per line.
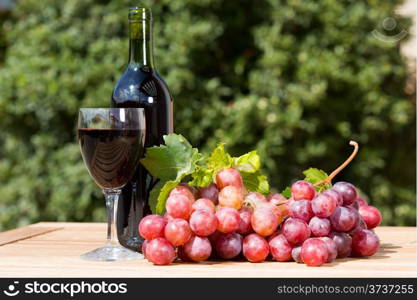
<point x="111" y="142"/>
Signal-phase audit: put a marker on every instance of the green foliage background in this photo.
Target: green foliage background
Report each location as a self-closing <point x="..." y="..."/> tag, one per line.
<point x="295" y="80"/>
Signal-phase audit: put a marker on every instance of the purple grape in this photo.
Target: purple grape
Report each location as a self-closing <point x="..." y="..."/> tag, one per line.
<point x="296" y="254"/>
<point x="331" y="247"/>
<point x="343" y="243"/>
<point x="365" y="243"/>
<point x="319" y="226"/>
<point x="333" y="193"/>
<point x="360" y="225"/>
<point x="344" y="218"/>
<point x="347" y="191"/>
<point x="324" y="205"/>
<point x="301" y="209"/>
<point x="295" y="231"/>
<point x="229" y="245"/>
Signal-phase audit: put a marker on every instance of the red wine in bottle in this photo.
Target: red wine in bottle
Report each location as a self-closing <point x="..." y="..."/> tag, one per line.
<point x="141" y="86"/>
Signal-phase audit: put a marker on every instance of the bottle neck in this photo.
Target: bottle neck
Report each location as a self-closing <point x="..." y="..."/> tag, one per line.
<point x="140" y="43"/>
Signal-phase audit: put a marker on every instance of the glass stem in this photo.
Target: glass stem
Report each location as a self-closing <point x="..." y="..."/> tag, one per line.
<point x="112" y="198"/>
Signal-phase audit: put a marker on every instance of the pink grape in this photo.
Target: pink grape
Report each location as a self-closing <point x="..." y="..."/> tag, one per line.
<point x="323" y="205"/>
<point x="280" y="248"/>
<point x="276" y="199"/>
<point x="255" y="198"/>
<point x="360" y="225"/>
<point x="229" y="245"/>
<point x="152" y="226"/>
<point x="344" y="218"/>
<point x="144" y="244"/>
<point x="167" y="217"/>
<point x="255" y="248"/>
<point x="302" y="190"/>
<point x="228" y="219"/>
<point x="347" y="191"/>
<point x="245" y="226"/>
<point x="334" y="194"/>
<point x="276" y="210"/>
<point x="178" y="206"/>
<point x="296" y="254"/>
<point x="295" y="231"/>
<point x="231" y="196"/>
<point x="331" y="248"/>
<point x="264" y="221"/>
<point x="204" y="203"/>
<point x="319" y="226"/>
<point x="301" y="209"/>
<point x="184" y="191"/>
<point x="203" y="222"/>
<point x="314" y="252"/>
<point x="198" y="248"/>
<point x="365" y="243"/>
<point x="177" y="232"/>
<point x="370" y="215"/>
<point x="280" y="202"/>
<point x="160" y="252"/>
<point x="210" y="192"/>
<point x="343" y="243"/>
<point x="227" y="177"/>
<point x="361" y="201"/>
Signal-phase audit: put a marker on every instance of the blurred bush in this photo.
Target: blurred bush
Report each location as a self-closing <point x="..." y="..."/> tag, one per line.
<point x="294" y="79"/>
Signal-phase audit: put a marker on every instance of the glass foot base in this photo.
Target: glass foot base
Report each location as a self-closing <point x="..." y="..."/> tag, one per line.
<point x="111" y="253"/>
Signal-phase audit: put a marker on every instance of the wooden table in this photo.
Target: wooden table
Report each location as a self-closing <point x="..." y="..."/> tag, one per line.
<point x="54" y="249"/>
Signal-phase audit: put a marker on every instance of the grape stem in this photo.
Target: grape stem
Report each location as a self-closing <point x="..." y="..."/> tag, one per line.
<point x="342" y="166"/>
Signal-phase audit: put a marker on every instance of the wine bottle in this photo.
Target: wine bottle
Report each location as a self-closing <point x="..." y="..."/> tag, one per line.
<point x="141" y="86"/>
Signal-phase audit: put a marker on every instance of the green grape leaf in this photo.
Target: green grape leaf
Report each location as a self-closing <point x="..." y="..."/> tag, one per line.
<point x="255" y="182"/>
<point x="219" y="159"/>
<point x="249" y="162"/>
<point x="159" y="195"/>
<point x="201" y="177"/>
<point x="314" y="175"/>
<point x="286" y="192"/>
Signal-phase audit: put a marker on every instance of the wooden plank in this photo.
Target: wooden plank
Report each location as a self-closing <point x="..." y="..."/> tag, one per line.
<point x="26" y="232"/>
<point x="56" y="254"/>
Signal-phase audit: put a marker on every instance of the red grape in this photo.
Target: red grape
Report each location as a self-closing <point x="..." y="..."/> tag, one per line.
<point x="344" y="218"/>
<point x="295" y="231"/>
<point x="160" y="251"/>
<point x="334" y="194"/>
<point x="229" y="245"/>
<point x="211" y="192"/>
<point x="204" y="203"/>
<point x="264" y="221"/>
<point x="280" y="248"/>
<point x="323" y="205"/>
<point x="152" y="226"/>
<point x="177" y="232"/>
<point x="198" y="248"/>
<point x="203" y="222"/>
<point x="184" y="191"/>
<point x="276" y="210"/>
<point x="245" y="226"/>
<point x="343" y="243"/>
<point x="314" y="252"/>
<point x="370" y="215"/>
<point x="319" y="226"/>
<point x="361" y="201"/>
<point x="178" y="206"/>
<point x="255" y="198"/>
<point x="144" y="244"/>
<point x="255" y="248"/>
<point x="347" y="191"/>
<point x="331" y="248"/>
<point x="301" y="209"/>
<point x="365" y="243"/>
<point x="296" y="254"/>
<point x="231" y="196"/>
<point x="167" y="217"/>
<point x="227" y="177"/>
<point x="302" y="190"/>
<point x="228" y="219"/>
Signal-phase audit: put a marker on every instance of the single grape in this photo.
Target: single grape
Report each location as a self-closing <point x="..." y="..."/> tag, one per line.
<point x="319" y="226"/>
<point x="361" y="201"/>
<point x="231" y="196"/>
<point x="198" y="248"/>
<point x="177" y="232"/>
<point x="144" y="244"/>
<point x="347" y="191"/>
<point x="211" y="192"/>
<point x="255" y="199"/>
<point x="302" y="190"/>
<point x="204" y="203"/>
<point x="203" y="222"/>
<point x="323" y="205"/>
<point x="184" y="191"/>
<point x="301" y="209"/>
<point x="178" y="206"/>
<point x="295" y="231"/>
<point x="370" y="215"/>
<point x="227" y="177"/>
<point x="365" y="243"/>
<point x="229" y="245"/>
<point x="280" y="248"/>
<point x="264" y="221"/>
<point x="160" y="252"/>
<point x="331" y="248"/>
<point x="334" y="194"/>
<point x="360" y="225"/>
<point x="343" y="243"/>
<point x="245" y="226"/>
<point x="255" y="248"/>
<point x="314" y="252"/>
<point x="296" y="254"/>
<point x="152" y="226"/>
<point x="344" y="218"/>
<point x="228" y="219"/>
